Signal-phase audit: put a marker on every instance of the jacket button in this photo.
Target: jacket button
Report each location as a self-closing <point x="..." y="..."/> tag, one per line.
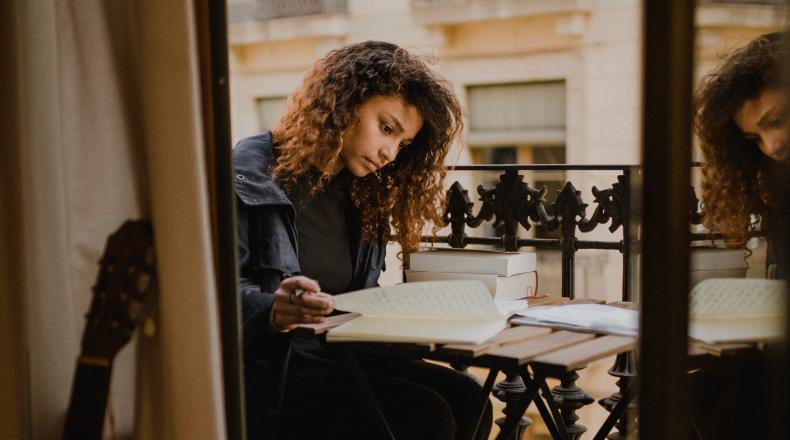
<point x="239" y="177"/>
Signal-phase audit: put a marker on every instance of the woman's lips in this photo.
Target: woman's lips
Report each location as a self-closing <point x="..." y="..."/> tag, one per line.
<point x="373" y="166"/>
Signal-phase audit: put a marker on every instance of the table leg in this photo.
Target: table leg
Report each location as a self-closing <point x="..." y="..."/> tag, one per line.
<point x="489" y="383"/>
<point x="617" y="411"/>
<point x="548" y="419"/>
<point x="520" y="406"/>
<point x="556" y="417"/>
<point x="624" y="369"/>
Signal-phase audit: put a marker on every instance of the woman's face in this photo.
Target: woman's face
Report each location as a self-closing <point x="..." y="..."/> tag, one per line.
<point x="383" y="125"/>
<point x="764" y="120"/>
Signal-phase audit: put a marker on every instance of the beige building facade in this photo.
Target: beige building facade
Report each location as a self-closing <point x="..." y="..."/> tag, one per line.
<point x="541" y="81"/>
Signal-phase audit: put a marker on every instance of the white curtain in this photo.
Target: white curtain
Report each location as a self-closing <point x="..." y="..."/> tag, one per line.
<point x="109" y="128"/>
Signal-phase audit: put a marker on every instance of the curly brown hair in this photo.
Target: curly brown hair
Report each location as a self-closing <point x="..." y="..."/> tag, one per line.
<point x="736" y="176"/>
<point x="408" y="192"/>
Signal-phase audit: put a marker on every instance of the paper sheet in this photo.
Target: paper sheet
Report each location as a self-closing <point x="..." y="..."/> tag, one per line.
<point x="595" y="317"/>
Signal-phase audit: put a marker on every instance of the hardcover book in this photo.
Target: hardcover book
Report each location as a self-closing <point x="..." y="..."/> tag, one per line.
<point x="473" y="261"/>
<point x="516" y="286"/>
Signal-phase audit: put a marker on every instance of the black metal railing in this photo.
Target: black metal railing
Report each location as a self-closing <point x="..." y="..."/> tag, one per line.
<point x="513" y="202"/>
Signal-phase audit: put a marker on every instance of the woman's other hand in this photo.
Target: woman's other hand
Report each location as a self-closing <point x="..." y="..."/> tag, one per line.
<point x="299" y="300"/>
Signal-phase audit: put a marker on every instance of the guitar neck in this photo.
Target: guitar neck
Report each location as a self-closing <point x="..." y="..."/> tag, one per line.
<point x="85" y="418"/>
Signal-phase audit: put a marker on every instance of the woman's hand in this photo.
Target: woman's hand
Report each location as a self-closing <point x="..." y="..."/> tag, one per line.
<point x="299" y="300"/>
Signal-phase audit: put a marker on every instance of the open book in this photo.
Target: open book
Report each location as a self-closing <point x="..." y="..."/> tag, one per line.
<point x="457" y="312"/>
<point x="737" y="310"/>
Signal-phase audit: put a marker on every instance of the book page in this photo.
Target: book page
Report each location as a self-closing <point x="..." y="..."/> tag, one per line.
<point x="737" y="297"/>
<point x="430" y="299"/>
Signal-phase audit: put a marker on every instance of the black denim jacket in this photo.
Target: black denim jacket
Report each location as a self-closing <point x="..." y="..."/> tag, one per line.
<point x="268" y="253"/>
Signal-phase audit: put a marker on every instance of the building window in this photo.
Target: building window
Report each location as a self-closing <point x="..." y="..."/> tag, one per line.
<point x="519" y="113"/>
<point x="269" y="111"/>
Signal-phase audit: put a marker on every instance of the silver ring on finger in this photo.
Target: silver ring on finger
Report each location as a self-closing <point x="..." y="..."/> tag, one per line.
<point x="291" y="298"/>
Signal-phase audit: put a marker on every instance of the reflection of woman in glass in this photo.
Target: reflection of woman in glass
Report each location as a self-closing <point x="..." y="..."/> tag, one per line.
<point x="743" y="126"/>
<point x="742" y="123"/>
<point x="360" y="147"/>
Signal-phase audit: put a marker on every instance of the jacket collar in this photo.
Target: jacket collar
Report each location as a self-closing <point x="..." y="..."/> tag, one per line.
<point x="253" y="159"/>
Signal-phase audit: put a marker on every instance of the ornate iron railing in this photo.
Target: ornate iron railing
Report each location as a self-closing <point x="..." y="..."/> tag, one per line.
<point x="513" y="202"/>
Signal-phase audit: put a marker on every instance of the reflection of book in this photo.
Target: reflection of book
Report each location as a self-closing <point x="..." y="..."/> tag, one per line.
<point x="712" y="262"/>
<point x="502" y="288"/>
<point x="737" y="310"/>
<point x="473" y="261"/>
<point x="459" y="312"/>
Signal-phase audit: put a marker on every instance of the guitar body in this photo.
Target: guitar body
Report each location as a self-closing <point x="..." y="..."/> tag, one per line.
<point x="126" y="277"/>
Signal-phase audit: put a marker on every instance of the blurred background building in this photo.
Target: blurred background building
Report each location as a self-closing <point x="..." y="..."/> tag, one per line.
<point x="541" y="81"/>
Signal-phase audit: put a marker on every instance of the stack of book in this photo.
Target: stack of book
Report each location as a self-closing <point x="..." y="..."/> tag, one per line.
<point x="507" y="275"/>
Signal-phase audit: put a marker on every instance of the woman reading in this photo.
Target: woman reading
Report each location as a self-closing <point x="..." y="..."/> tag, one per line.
<point x="357" y="155"/>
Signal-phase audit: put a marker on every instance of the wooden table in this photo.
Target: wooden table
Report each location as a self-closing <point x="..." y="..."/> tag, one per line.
<point x="534" y="353"/>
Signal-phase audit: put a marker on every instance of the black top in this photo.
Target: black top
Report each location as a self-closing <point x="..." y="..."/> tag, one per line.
<point x="322" y="222"/>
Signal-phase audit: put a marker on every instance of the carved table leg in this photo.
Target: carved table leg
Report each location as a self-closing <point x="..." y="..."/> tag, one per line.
<point x="624" y="369"/>
<point x="569" y="398"/>
<point x="510" y="391"/>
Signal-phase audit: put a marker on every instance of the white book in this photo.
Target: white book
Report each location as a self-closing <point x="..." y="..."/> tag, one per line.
<point x="737" y="310"/>
<point x="446" y="312"/>
<point x="711" y="262"/>
<point x="711" y="258"/>
<point x="516" y="286"/>
<point x="473" y="261"/>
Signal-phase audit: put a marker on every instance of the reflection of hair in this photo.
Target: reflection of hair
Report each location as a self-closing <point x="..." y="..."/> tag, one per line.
<point x="735" y="181"/>
<point x="409" y="191"/>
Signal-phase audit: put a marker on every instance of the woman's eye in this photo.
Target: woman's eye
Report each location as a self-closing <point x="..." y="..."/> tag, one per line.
<point x="386" y="128"/>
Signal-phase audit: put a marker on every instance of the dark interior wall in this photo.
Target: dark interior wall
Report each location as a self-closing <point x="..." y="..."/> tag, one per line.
<point x="13" y="407"/>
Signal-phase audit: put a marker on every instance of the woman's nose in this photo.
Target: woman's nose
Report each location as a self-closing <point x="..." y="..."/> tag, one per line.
<point x="775" y="147"/>
<point x="388" y="152"/>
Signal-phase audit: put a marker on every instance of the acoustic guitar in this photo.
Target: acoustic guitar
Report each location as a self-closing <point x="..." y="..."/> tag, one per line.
<point x="126" y="276"/>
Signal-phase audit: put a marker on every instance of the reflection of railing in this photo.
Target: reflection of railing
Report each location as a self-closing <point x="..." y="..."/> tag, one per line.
<point x="513" y="202"/>
<point x="696" y="213"/>
<point x="268" y="9"/>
